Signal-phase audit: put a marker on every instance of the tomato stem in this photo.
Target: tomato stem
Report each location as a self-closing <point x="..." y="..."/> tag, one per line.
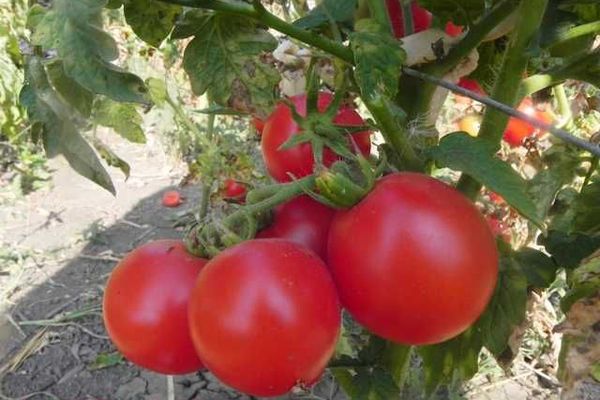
<point x="472" y="39"/>
<point x="379" y="13"/>
<point x="530" y="15"/>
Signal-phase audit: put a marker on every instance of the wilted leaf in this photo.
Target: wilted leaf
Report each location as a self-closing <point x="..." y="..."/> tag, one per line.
<point x="106" y="360"/>
<point x="151" y="20"/>
<point x="568" y="250"/>
<point x="122" y="117"/>
<point x="74" y="30"/>
<point x="224" y="60"/>
<point x="112" y="158"/>
<point x="367" y="383"/>
<point x="72" y="92"/>
<point x="157" y="89"/>
<point x="378" y="57"/>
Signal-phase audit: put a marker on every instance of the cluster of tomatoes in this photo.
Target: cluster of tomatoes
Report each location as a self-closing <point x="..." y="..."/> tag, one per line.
<point x="414" y="262"/>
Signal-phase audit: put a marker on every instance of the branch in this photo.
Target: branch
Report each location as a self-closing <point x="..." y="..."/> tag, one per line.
<point x="508" y="110"/>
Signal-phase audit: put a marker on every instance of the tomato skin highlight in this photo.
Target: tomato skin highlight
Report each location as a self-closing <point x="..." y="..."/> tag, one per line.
<point x="299" y="160"/>
<point x="414" y="262"/>
<point x="172" y="198"/>
<point x="265" y="316"/>
<point x="145" y="307"/>
<point x="304" y="221"/>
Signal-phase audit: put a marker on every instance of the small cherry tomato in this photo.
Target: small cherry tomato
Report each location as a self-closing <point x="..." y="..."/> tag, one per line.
<point x="517" y="130"/>
<point x="172" y="198"/>
<point x="496" y="198"/>
<point x="234" y="190"/>
<point x="453" y="30"/>
<point x="498" y="228"/>
<point x="304" y="221"/>
<point x="265" y="316"/>
<point x="146" y="304"/>
<point x="473" y="86"/>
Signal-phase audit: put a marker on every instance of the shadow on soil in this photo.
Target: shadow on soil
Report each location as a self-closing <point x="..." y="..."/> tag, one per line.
<point x="59" y="360"/>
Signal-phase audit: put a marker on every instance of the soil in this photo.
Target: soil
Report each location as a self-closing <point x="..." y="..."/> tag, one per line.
<point x="60" y="244"/>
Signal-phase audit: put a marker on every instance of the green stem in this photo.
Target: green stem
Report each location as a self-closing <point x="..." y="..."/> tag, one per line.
<point x="258" y="12"/>
<point x="564" y="108"/>
<point x="379" y="13"/>
<point x="535" y="83"/>
<point x="207" y="181"/>
<point x="516" y="58"/>
<point x="407" y="17"/>
<point x="458" y="53"/>
<point x="581" y="30"/>
<point x="593" y="167"/>
<point x="394" y="133"/>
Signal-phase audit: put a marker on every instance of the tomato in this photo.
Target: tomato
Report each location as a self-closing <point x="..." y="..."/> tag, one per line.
<point x="453" y="30"/>
<point x="172" y="198"/>
<point x="304" y="221"/>
<point x="518" y="130"/>
<point x="234" y="190"/>
<point x="470" y="124"/>
<point x="145" y="307"/>
<point x="414" y="261"/>
<point x="259" y="125"/>
<point x="473" y="86"/>
<point x="421" y="17"/>
<point x="299" y="160"/>
<point x="265" y="316"/>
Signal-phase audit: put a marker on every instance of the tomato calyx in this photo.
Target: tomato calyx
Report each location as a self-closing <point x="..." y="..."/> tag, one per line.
<point x="347" y="182"/>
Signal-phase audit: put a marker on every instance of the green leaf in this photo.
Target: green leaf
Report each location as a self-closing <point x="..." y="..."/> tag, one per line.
<point x="329" y="11"/>
<point x="460" y="152"/>
<point x="111" y="158"/>
<point x="539" y="269"/>
<point x="60" y="133"/>
<point x="507" y="308"/>
<point x="106" y="360"/>
<point x="151" y="20"/>
<point x="122" y="117"/>
<point x="74" y="30"/>
<point x="157" y="88"/>
<point x="584" y="282"/>
<point x="569" y="249"/>
<point x="379" y="58"/>
<point x="190" y="22"/>
<point x="72" y="92"/>
<point x="456" y="359"/>
<point x="224" y="60"/>
<point x="587" y="209"/>
<point x="367" y="383"/>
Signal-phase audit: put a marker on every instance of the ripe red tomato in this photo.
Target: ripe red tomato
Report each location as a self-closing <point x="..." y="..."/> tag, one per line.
<point x="517" y="130"/>
<point x="304" y="221"/>
<point x="472" y="85"/>
<point x="299" y="160"/>
<point x="265" y="316"/>
<point x="453" y="30"/>
<point x="145" y="307"/>
<point x="471" y="124"/>
<point x="414" y="262"/>
<point x="421" y="17"/>
<point x="172" y="198"/>
<point x="234" y="190"/>
<point x="259" y="125"/>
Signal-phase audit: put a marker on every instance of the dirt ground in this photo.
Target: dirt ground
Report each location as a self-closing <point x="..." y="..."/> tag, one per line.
<point x="62" y="243"/>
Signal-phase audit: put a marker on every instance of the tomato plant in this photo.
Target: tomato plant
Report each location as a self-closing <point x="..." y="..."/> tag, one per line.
<point x="299" y="161"/>
<point x="413" y="260"/>
<point x="400" y="288"/>
<point x="269" y="304"/>
<point x="304" y="221"/>
<point x="145" y="307"/>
